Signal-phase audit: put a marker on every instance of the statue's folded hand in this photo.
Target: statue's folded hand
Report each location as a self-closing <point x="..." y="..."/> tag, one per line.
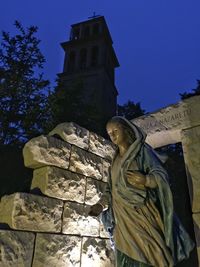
<point x="136" y="179"/>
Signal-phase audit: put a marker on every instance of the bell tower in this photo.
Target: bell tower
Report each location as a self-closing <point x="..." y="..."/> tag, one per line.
<point x="89" y="56"/>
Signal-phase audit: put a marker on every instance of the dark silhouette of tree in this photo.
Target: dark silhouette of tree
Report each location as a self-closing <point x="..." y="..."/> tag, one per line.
<point x="130" y="110"/>
<point x="23" y="100"/>
<point x="24" y="109"/>
<point x="196" y="91"/>
<point x="71" y="103"/>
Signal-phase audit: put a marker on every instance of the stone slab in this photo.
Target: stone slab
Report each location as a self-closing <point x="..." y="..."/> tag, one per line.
<point x="57" y="251"/>
<point x="86" y="163"/>
<point x="24" y="211"/>
<point x="191" y="149"/>
<point x="77" y="222"/>
<point x="59" y="183"/>
<point x="72" y="133"/>
<point x="16" y="248"/>
<point x="94" y="191"/>
<point x="163" y="126"/>
<point x="101" y="147"/>
<point x="97" y="252"/>
<point x="46" y="150"/>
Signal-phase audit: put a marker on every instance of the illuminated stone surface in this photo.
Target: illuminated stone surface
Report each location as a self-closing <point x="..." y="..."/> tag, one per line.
<point x="60" y="183"/>
<point x="106" y="170"/>
<point x="100" y="146"/>
<point x="94" y="190"/>
<point x="164" y="126"/>
<point x="72" y="133"/>
<point x="23" y="211"/>
<point x="103" y="232"/>
<point x="16" y="248"/>
<point x="96" y="253"/>
<point x="191" y="145"/>
<point x="57" y="251"/>
<point x="86" y="163"/>
<point x="77" y="222"/>
<point x="46" y="150"/>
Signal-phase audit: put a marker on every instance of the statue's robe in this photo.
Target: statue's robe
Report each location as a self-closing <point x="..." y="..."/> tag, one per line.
<point x="142" y="222"/>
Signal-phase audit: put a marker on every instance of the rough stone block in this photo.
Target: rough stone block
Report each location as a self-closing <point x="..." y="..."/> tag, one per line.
<point x="60" y="183"/>
<point x="16" y="248"/>
<point x="46" y="150"/>
<point x="23" y="211"/>
<point x="101" y="147"/>
<point x="191" y="144"/>
<point x="57" y="251"/>
<point x="77" y="222"/>
<point x="72" y="133"/>
<point x="103" y="232"/>
<point x="163" y="127"/>
<point x="94" y="191"/>
<point x="97" y="252"/>
<point x="86" y="163"/>
<point x="106" y="170"/>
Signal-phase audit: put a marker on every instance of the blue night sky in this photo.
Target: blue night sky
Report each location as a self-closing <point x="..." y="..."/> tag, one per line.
<point x="157" y="42"/>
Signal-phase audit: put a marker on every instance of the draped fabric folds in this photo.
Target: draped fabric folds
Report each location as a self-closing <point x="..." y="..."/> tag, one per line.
<point x="141" y="222"/>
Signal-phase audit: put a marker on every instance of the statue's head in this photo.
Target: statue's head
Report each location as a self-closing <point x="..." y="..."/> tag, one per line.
<point x="120" y="131"/>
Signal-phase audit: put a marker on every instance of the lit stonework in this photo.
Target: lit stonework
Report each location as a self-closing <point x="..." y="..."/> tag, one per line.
<point x="24" y="211"/>
<point x="16" y="248"/>
<point x="45" y="150"/>
<point x="59" y="183"/>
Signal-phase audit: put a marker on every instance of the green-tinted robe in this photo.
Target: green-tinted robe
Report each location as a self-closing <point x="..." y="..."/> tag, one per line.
<point x="142" y="222"/>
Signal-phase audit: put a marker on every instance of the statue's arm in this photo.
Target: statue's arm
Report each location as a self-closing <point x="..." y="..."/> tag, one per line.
<point x="106" y="197"/>
<point x="153" y="168"/>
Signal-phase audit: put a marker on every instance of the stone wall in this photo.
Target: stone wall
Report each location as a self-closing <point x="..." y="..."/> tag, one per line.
<point x="50" y="225"/>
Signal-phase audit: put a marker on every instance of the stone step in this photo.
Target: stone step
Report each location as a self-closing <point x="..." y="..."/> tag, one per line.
<point x="46" y="150"/>
<point x="29" y="212"/>
<point x="16" y="248"/>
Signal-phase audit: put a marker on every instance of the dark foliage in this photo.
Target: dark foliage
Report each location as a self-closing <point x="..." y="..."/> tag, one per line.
<point x="23" y="101"/>
<point x="196" y="91"/>
<point x="70" y="103"/>
<point x="130" y="110"/>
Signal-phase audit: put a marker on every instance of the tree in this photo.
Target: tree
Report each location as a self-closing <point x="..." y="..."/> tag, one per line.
<point x="196" y="91"/>
<point x="23" y="91"/>
<point x="130" y="110"/>
<point x="70" y="103"/>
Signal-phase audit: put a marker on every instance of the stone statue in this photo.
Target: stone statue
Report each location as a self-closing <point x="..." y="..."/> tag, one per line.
<point x="137" y="205"/>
